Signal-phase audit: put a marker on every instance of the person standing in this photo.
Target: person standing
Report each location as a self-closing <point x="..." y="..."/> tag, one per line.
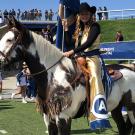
<point x="119" y="36"/>
<point x="31" y="88"/>
<point x="87" y="39"/>
<point x="21" y="83"/>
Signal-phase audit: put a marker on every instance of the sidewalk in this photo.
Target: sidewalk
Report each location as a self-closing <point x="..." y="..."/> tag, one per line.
<point x="9" y="85"/>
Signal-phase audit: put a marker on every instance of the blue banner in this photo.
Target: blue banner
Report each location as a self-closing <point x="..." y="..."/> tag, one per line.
<point x="118" y="50"/>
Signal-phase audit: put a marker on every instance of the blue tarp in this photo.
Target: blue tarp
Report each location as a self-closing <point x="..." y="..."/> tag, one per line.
<point x="118" y="50"/>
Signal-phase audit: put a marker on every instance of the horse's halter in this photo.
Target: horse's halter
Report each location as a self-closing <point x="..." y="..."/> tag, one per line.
<point x="18" y="37"/>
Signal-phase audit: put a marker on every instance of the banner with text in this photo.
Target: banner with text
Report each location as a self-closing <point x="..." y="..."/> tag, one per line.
<point x="118" y="50"/>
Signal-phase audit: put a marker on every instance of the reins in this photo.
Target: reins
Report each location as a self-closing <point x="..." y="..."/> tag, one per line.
<point x="40" y="72"/>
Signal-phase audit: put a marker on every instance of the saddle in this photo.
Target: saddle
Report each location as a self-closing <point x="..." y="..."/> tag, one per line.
<point x="115" y="74"/>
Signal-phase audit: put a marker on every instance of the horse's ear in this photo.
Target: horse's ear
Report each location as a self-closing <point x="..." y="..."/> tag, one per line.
<point x="16" y="23"/>
<point x="9" y="22"/>
<point x="12" y="22"/>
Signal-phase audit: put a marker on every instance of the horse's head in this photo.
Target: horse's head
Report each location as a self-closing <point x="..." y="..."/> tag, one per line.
<point x="10" y="43"/>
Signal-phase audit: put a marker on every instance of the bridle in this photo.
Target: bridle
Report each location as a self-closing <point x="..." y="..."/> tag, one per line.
<point x="18" y="36"/>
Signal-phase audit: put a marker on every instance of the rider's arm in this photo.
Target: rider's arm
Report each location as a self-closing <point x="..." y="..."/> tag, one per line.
<point x="92" y="35"/>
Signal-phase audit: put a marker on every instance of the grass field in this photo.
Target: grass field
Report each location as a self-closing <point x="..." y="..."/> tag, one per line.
<point x="22" y="119"/>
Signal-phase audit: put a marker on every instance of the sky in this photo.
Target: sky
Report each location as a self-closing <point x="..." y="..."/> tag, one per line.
<point x="48" y="4"/>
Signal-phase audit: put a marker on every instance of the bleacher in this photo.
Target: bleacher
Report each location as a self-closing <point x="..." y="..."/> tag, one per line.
<point x="38" y="25"/>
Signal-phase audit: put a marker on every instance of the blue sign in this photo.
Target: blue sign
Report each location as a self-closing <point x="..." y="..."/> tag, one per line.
<point x="99" y="108"/>
<point x="118" y="50"/>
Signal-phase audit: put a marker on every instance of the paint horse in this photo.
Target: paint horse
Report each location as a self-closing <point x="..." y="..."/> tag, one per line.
<point x="43" y="59"/>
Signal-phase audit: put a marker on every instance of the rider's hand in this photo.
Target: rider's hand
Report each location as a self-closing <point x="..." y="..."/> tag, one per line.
<point x="65" y="24"/>
<point x="69" y="53"/>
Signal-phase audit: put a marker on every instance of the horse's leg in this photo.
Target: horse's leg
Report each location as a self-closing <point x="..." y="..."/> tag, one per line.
<point x="127" y="100"/>
<point x="64" y="126"/>
<point x="128" y="125"/>
<point x="46" y="121"/>
<point x="132" y="119"/>
<point x="118" y="118"/>
<point x="52" y="128"/>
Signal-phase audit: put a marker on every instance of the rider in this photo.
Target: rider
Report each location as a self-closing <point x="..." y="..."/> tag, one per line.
<point x="87" y="39"/>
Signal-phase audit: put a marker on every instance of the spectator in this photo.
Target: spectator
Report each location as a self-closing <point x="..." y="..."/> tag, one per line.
<point x="40" y="14"/>
<point x="50" y="15"/>
<point x="21" y="83"/>
<point x="47" y="34"/>
<point x="10" y="13"/>
<point x="105" y="13"/>
<point x="18" y="14"/>
<point x="13" y="13"/>
<point x="46" y="15"/>
<point x="99" y="13"/>
<point x="5" y="13"/>
<point x="50" y="37"/>
<point x="119" y="36"/>
<point x="31" y="88"/>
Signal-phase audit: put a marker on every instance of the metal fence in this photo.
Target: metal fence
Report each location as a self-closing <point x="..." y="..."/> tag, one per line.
<point x="116" y="14"/>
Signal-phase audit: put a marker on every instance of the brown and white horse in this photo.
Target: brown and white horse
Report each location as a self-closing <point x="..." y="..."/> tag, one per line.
<point x="43" y="59"/>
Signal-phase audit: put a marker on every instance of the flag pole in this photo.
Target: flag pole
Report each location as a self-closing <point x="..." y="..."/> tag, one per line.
<point x="63" y="30"/>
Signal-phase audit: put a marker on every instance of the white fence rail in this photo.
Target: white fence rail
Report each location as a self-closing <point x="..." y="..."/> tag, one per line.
<point x="116" y="14"/>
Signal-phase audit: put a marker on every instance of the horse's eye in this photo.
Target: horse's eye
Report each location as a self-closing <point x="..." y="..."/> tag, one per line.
<point x="9" y="40"/>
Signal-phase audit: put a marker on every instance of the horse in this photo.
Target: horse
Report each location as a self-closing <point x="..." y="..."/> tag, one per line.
<point x="55" y="76"/>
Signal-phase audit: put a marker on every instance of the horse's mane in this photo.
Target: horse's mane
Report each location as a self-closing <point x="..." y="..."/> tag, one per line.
<point x="45" y="49"/>
<point x="39" y="40"/>
<point x="49" y="53"/>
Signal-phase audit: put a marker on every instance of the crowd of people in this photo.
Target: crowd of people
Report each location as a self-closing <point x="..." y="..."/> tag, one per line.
<point x="32" y="14"/>
<point x="47" y="15"/>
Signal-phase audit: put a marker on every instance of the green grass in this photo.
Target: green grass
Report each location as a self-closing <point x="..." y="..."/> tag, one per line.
<point x="109" y="29"/>
<point x="22" y="119"/>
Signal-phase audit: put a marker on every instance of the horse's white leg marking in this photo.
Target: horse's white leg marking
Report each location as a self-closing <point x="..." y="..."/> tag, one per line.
<point x="131" y="117"/>
<point x="46" y="120"/>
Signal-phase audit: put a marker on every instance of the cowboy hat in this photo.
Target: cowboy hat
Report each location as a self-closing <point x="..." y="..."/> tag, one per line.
<point x="86" y="7"/>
